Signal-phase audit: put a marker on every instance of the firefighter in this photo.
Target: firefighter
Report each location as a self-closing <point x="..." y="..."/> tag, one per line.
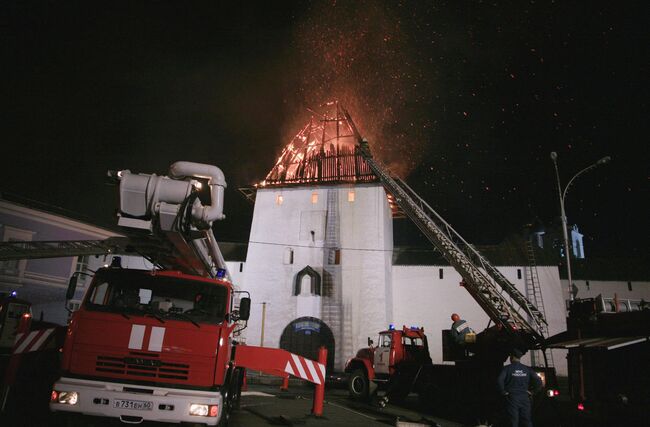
<point x="460" y="329"/>
<point x="515" y="383"/>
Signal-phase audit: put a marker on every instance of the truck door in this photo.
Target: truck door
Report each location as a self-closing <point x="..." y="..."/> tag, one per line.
<point x="382" y="354"/>
<point x="11" y="310"/>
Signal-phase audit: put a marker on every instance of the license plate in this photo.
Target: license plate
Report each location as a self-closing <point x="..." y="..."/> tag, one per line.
<point x="139" y="405"/>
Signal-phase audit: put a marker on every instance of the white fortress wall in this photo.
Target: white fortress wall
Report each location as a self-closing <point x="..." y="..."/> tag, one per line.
<point x="269" y="277"/>
<point x="367" y="243"/>
<point x="422" y="298"/>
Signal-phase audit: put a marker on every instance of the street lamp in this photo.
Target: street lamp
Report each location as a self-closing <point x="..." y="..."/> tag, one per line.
<point x="562" y="194"/>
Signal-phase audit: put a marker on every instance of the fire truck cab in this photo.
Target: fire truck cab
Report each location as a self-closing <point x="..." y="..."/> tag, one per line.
<point x="151" y="345"/>
<point x="398" y="354"/>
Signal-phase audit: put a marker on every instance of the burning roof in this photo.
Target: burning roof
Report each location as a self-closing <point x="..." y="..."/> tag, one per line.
<point x="324" y="151"/>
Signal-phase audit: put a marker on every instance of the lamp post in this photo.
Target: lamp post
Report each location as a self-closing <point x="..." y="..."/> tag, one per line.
<point x="562" y="194"/>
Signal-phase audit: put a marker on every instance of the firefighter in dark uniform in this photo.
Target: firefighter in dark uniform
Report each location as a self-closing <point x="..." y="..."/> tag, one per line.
<point x="459" y="329"/>
<point x="515" y="383"/>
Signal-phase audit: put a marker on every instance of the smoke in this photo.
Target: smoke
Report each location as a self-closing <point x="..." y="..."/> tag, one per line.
<point x="362" y="54"/>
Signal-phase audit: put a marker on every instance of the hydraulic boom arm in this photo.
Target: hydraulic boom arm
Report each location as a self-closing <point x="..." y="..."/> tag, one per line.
<point x="164" y="220"/>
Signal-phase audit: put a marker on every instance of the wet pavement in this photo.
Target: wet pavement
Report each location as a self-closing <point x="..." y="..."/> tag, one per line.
<point x="267" y="405"/>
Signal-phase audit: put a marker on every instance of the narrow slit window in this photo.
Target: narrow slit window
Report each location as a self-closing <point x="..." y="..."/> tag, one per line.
<point x="441" y="273"/>
<point x="288" y="256"/>
<point x="314" y="198"/>
<point x="351" y="196"/>
<point x="279" y="199"/>
<point x="519" y="273"/>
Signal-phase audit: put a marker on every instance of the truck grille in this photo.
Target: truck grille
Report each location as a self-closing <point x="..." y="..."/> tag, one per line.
<point x="142" y="367"/>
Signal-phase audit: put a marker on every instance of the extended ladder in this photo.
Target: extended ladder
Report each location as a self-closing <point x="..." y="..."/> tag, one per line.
<point x="534" y="295"/>
<point x="499" y="298"/>
<point x="157" y="249"/>
<point x="58" y="249"/>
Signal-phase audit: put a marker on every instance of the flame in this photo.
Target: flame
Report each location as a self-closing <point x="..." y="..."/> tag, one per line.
<point x="323" y="149"/>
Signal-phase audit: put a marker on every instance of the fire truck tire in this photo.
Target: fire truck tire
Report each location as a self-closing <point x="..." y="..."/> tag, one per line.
<point x="358" y="385"/>
<point x="238" y="382"/>
<point x="230" y="396"/>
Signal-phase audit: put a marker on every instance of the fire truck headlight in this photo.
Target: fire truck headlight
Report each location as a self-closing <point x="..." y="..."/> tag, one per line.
<point x="202" y="410"/>
<point x="198" y="410"/>
<point x="66" y="397"/>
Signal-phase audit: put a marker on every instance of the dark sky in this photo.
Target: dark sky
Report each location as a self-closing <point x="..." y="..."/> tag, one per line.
<point x="465" y="100"/>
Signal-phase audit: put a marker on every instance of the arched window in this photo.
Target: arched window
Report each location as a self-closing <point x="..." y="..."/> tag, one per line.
<point x="314" y="279"/>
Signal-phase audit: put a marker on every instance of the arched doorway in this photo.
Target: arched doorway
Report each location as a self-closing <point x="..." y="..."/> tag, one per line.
<point x="314" y="281"/>
<point x="305" y="335"/>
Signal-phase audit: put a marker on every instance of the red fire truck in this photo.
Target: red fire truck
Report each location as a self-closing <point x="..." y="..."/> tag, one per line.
<point x="399" y="353"/>
<point x="400" y="364"/>
<point x="158" y="344"/>
<point x="151" y="345"/>
<point x="11" y="309"/>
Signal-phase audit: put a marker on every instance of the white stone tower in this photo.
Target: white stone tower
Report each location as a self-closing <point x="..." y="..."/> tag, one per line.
<point x="319" y="256"/>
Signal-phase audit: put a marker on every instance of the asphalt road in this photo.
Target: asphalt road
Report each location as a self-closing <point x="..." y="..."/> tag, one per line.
<point x="266" y="405"/>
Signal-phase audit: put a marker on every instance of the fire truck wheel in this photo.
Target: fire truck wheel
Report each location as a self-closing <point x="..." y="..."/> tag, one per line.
<point x="358" y="385"/>
<point x="229" y="396"/>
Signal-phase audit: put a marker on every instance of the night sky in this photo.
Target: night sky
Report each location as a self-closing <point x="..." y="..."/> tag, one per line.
<point x="465" y="100"/>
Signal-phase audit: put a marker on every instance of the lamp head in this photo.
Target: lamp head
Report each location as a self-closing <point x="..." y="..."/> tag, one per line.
<point x="553" y="155"/>
<point x="604" y="160"/>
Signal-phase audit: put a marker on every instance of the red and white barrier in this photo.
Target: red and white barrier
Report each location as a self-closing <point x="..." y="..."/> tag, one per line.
<point x="278" y="362"/>
<point x="31" y="341"/>
<point x="306" y="369"/>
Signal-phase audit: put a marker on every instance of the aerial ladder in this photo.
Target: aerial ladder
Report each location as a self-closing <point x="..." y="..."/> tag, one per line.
<point x="499" y="298"/>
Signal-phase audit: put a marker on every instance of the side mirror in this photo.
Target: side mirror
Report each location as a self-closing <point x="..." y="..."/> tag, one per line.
<point x="244" y="308"/>
<point x="370" y="342"/>
<point x="72" y="286"/>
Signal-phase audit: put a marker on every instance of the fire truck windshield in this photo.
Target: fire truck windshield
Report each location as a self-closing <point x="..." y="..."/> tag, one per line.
<point x="139" y="293"/>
